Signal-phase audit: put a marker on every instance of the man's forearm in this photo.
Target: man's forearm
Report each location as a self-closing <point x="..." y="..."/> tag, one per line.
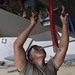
<point x="63" y="45"/>
<point x="64" y="38"/>
<point x="24" y="35"/>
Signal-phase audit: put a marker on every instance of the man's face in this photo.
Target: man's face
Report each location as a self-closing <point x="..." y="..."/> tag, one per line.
<point x="38" y="52"/>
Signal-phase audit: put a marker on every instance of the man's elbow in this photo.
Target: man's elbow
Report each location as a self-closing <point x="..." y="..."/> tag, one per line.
<point x="16" y="45"/>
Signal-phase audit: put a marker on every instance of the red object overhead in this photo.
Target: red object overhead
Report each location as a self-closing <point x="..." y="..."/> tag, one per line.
<point x="52" y="27"/>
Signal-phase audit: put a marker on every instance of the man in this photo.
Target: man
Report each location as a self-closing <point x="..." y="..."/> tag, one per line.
<point x="35" y="63"/>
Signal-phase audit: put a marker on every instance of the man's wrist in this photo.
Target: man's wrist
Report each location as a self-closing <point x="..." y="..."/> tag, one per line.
<point x="64" y="24"/>
<point x="32" y="24"/>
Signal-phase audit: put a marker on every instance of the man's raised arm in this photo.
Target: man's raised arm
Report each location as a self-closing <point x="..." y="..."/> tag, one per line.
<point x="19" y="52"/>
<point x="64" y="41"/>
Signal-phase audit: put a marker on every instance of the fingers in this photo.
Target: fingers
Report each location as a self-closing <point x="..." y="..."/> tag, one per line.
<point x="63" y="14"/>
<point x="66" y="15"/>
<point x="63" y="10"/>
<point x="34" y="16"/>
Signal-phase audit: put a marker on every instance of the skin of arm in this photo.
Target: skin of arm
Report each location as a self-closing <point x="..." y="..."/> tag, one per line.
<point x="19" y="52"/>
<point x="64" y="41"/>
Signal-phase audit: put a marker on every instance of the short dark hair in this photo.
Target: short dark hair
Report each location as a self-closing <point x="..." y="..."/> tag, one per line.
<point x="28" y="53"/>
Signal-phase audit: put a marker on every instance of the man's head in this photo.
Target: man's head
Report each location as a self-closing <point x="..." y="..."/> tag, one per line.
<point x="35" y="52"/>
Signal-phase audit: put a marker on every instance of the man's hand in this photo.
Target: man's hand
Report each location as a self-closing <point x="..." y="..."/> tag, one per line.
<point x="63" y="16"/>
<point x="33" y="19"/>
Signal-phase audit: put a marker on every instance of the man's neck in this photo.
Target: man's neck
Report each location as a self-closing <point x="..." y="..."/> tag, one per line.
<point x="39" y="62"/>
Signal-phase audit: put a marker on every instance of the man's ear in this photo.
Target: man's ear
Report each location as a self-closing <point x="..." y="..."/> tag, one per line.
<point x="31" y="57"/>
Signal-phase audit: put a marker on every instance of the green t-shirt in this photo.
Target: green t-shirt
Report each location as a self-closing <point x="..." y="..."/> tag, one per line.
<point x="48" y="69"/>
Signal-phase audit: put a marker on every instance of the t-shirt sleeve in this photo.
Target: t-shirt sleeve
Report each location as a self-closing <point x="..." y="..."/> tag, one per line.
<point x="51" y="65"/>
<point x="27" y="68"/>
